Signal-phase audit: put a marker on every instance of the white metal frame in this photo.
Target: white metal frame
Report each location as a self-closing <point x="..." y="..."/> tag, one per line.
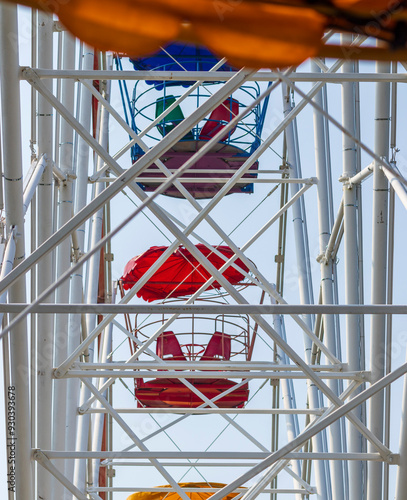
<point x="63" y="351"/>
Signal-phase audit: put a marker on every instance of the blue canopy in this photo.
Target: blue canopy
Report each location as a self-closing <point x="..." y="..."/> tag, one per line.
<point x="186" y="57"/>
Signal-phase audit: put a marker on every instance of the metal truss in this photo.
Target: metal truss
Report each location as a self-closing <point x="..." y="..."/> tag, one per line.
<point x="321" y="421"/>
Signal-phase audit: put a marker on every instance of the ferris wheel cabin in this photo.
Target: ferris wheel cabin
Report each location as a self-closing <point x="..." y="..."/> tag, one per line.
<point x="181" y="275"/>
<point x="162" y="103"/>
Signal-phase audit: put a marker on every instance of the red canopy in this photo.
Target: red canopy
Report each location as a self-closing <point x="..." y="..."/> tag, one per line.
<point x="180" y="275"/>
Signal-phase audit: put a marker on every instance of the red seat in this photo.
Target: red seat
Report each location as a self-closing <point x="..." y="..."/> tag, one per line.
<point x="219" y="347"/>
<point x="172" y="393"/>
<point x="220" y="117"/>
<point x="168" y="347"/>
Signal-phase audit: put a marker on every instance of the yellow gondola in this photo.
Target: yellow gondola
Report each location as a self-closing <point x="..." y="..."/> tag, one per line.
<point x="173" y="495"/>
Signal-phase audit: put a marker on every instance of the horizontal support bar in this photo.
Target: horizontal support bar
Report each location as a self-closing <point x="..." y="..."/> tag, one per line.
<point x="372" y="457"/>
<point x="361" y="376"/>
<point x="213" y="411"/>
<point x="217" y="180"/>
<point x="361" y="176"/>
<point x="205" y="309"/>
<point x="177" y="455"/>
<point x="216" y="76"/>
<point x="221" y="170"/>
<point x="205" y="366"/>
<point x="129" y="489"/>
<point x="114" y="463"/>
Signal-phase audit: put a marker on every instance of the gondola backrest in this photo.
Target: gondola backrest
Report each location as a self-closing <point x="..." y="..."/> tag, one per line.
<point x="169" y="348"/>
<point x="219" y="347"/>
<point x="220" y="117"/>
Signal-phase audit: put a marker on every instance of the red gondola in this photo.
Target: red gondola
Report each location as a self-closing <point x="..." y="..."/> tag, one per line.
<point x="182" y="275"/>
<point x="165" y="392"/>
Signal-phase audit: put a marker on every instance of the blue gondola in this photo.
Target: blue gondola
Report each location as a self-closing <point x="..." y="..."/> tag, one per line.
<point x="153" y="97"/>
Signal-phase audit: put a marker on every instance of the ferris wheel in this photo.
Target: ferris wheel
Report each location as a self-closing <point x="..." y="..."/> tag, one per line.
<point x="202" y="279"/>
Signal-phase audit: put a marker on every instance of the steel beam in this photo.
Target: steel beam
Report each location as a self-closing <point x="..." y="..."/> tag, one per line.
<point x="216" y="76"/>
<point x="13" y="191"/>
<point x="285" y="309"/>
<point x="379" y="274"/>
<point x="317" y="427"/>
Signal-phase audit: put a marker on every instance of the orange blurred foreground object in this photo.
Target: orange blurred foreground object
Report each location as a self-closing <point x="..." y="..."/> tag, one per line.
<point x="368" y="7"/>
<point x="252" y="33"/>
<point x="260" y="35"/>
<point x="173" y="495"/>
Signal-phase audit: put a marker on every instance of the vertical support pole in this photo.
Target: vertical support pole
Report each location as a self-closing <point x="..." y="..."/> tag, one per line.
<point x="305" y="298"/>
<point x="33" y="241"/>
<point x="100" y="418"/>
<point x="91" y="297"/>
<point x="94" y="264"/>
<point x="7" y="264"/>
<point x="82" y="172"/>
<point x="65" y="202"/>
<point x="45" y="327"/>
<point x="336" y="467"/>
<point x="287" y="398"/>
<point x="390" y="280"/>
<point x="13" y="190"/>
<point x="401" y="480"/>
<point x="1" y="178"/>
<point x="6" y="267"/>
<point x="379" y="272"/>
<point x="350" y="215"/>
<point x="5" y="347"/>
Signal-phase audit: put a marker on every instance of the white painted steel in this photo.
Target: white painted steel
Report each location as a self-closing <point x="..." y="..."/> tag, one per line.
<point x="8" y="263"/>
<point x="63" y="262"/>
<point x="45" y="220"/>
<point x="397" y="186"/>
<point x="97" y="401"/>
<point x="210" y="455"/>
<point x="282" y="308"/>
<point x="13" y="191"/>
<point x="35" y="177"/>
<point x="135" y="438"/>
<point x="379" y="274"/>
<point x="91" y="293"/>
<point x="225" y="374"/>
<point x="303" y="285"/>
<point x="207" y="366"/>
<point x="288" y="400"/>
<point x="264" y="325"/>
<point x="204" y="411"/>
<point x="127" y="176"/>
<point x="6" y="267"/>
<point x="99" y="420"/>
<point x="367" y="171"/>
<point x="43" y="460"/>
<point x="208" y="76"/>
<point x="77" y="286"/>
<point x="218" y="180"/>
<point x="126" y="179"/>
<point x="323" y="423"/>
<point x="357" y="483"/>
<point x="327" y="286"/>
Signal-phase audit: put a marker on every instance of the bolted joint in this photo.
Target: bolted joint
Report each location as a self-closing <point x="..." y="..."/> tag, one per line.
<point x="321" y="259"/>
<point x="81" y="410"/>
<point x="346" y="183"/>
<point x="109" y="257"/>
<point x="38" y="455"/>
<point x="57" y="373"/>
<point x="111" y="472"/>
